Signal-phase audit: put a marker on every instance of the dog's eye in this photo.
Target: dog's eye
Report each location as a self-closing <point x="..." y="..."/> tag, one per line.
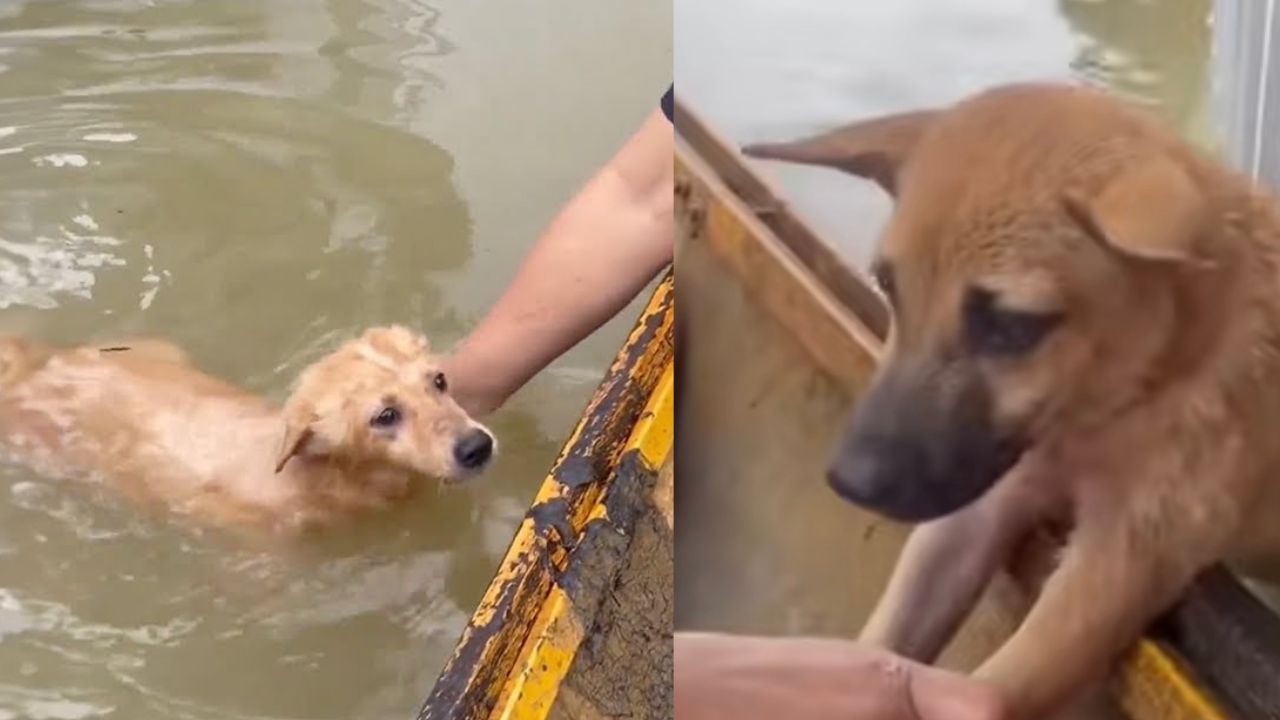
<point x="991" y="330"/>
<point x="440" y="382"/>
<point x="387" y="417"/>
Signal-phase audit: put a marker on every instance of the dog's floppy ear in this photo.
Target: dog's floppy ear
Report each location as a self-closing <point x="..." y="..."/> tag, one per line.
<point x="1152" y="210"/>
<point x="298" y="430"/>
<point x="871" y="149"/>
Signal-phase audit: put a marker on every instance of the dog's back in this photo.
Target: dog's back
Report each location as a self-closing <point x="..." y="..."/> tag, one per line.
<point x="18" y="358"/>
<point x="124" y="411"/>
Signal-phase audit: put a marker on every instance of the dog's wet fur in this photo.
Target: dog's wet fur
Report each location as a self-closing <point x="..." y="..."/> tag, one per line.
<point x="1086" y="325"/>
<point x="363" y="427"/>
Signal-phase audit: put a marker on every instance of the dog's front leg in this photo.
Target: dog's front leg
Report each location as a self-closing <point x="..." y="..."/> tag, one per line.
<point x="1110" y="583"/>
<point x="944" y="567"/>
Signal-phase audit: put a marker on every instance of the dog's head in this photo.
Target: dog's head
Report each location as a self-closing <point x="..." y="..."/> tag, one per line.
<point x="382" y="399"/>
<point x="1044" y="262"/>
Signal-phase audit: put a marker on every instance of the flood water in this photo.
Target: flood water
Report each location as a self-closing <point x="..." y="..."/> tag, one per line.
<point x="257" y="181"/>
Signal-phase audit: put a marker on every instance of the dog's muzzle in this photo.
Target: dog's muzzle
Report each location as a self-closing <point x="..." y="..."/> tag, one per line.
<point x="473" y="450"/>
<point x="921" y="445"/>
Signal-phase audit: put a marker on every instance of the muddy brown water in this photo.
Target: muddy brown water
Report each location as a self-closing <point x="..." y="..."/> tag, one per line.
<point x="257" y="181"/>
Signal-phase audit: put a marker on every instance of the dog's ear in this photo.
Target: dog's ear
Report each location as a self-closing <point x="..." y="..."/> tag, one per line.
<point x="1152" y="210"/>
<point x="298" y="421"/>
<point x="872" y="149"/>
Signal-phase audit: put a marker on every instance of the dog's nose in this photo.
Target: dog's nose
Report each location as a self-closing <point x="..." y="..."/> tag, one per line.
<point x="905" y="486"/>
<point x="897" y="485"/>
<point x="474" y="449"/>
<point x="862" y="483"/>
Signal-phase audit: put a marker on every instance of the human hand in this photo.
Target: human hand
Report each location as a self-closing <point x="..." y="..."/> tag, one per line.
<point x="737" y="677"/>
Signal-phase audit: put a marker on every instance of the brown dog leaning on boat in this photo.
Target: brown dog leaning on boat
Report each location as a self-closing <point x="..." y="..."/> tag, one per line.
<point x="361" y="427"/>
<point x="1087" y="328"/>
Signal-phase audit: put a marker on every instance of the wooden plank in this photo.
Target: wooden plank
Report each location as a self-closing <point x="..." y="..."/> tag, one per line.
<point x="708" y="211"/>
<point x="773" y="212"/>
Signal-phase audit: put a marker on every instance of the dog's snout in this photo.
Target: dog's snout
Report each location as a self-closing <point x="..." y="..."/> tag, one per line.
<point x="917" y="449"/>
<point x="862" y="483"/>
<point x="892" y="478"/>
<point x="474" y="449"/>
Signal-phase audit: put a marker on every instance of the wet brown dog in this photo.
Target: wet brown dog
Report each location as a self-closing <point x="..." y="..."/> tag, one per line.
<point x="362" y="425"/>
<point x="1086" y="327"/>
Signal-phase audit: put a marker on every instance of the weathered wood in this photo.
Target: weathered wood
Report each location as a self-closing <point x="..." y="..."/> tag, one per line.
<point x="707" y="211"/>
<point x="773" y="212"/>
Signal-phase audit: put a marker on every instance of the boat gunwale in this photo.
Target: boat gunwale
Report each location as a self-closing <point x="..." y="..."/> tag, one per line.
<point x="537" y="580"/>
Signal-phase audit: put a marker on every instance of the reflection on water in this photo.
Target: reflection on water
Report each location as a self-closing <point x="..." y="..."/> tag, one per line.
<point x="259" y="180"/>
<point x="1152" y="53"/>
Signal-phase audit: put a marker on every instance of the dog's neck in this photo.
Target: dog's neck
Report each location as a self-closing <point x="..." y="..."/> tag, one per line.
<point x="320" y="473"/>
<point x="315" y="478"/>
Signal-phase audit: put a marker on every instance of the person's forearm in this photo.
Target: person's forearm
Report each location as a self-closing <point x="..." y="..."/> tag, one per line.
<point x="611" y="239"/>
<point x="727" y="677"/>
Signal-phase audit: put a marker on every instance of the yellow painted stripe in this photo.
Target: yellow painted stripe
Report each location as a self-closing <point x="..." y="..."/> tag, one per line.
<point x="655" y="432"/>
<point x="1153" y="684"/>
<point x="545" y="661"/>
<point x="557" y="633"/>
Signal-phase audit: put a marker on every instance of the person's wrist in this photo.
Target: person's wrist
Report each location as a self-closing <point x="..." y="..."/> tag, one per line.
<point x="480" y="405"/>
<point x="478" y="399"/>
<point x="466" y="380"/>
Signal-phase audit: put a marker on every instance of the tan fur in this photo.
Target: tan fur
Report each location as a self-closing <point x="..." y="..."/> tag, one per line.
<point x="137" y="415"/>
<point x="1152" y="408"/>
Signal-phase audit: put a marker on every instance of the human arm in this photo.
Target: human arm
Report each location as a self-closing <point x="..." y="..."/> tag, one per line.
<point x="723" y="677"/>
<point x="605" y="245"/>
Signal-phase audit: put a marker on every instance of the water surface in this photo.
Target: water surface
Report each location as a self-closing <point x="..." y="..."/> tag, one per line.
<point x="258" y="181"/>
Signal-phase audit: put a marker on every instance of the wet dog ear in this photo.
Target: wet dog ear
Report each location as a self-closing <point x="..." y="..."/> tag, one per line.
<point x="298" y="422"/>
<point x="1152" y="210"/>
<point x="872" y="149"/>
